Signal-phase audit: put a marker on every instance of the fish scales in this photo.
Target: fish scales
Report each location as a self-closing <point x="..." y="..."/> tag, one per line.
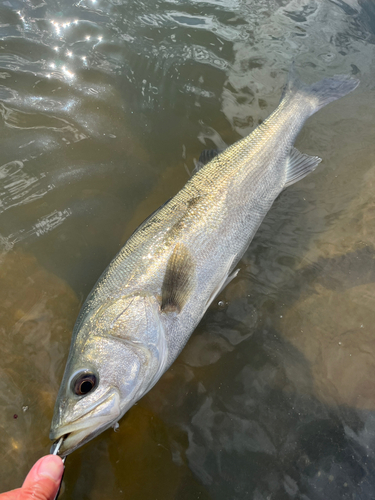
<point x="147" y="303"/>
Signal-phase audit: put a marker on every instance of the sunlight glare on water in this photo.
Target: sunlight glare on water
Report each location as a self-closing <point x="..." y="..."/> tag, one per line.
<point x="105" y="106"/>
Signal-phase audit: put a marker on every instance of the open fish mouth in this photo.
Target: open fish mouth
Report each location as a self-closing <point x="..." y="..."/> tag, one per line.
<point x="89" y="425"/>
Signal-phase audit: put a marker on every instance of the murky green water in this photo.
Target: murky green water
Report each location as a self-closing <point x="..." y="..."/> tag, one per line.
<point x="104" y="107"/>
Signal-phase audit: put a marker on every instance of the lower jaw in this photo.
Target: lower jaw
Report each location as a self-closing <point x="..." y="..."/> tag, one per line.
<point x="76" y="439"/>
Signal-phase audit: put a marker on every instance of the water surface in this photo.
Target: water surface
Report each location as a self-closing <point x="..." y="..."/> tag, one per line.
<point x="104" y="107"/>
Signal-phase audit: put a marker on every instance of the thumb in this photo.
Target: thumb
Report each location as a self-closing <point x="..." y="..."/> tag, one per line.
<point x="43" y="481"/>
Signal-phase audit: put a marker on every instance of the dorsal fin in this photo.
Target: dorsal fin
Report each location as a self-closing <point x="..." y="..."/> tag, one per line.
<point x="205" y="157"/>
<point x="178" y="280"/>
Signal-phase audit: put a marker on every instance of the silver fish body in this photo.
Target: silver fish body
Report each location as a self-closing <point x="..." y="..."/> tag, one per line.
<point x="149" y="300"/>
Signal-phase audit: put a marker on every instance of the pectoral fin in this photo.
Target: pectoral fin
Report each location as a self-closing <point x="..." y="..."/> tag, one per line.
<point x="178" y="281"/>
<point x="299" y="165"/>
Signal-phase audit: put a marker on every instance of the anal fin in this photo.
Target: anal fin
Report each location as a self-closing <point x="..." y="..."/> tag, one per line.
<point x="299" y="165"/>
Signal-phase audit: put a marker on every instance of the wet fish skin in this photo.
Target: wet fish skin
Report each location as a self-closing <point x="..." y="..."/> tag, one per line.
<point x="149" y="300"/>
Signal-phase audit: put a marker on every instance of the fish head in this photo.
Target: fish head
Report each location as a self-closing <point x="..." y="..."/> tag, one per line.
<point x="116" y="356"/>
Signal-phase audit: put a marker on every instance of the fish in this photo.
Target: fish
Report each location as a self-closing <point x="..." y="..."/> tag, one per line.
<point x="147" y="303"/>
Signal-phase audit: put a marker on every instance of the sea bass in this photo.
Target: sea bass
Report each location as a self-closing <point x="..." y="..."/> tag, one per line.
<point x="149" y="300"/>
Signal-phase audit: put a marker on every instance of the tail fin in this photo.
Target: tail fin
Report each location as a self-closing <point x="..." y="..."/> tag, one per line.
<point x="320" y="93"/>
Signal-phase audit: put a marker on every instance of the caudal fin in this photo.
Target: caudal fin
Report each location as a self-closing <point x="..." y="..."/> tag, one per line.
<point x="320" y="93"/>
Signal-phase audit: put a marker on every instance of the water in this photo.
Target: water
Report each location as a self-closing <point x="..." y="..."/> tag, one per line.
<point x="104" y="107"/>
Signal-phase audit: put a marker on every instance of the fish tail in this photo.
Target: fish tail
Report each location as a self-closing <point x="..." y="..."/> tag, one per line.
<point x="320" y="93"/>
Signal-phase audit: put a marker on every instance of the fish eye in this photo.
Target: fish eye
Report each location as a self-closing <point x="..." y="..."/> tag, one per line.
<point x="84" y="383"/>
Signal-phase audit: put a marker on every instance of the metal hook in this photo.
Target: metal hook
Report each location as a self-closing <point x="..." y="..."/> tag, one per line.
<point x="54" y="451"/>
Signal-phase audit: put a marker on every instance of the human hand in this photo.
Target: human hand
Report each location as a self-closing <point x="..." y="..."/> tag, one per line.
<point x="41" y="483"/>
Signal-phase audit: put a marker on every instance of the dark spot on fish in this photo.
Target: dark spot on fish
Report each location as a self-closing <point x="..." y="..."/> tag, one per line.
<point x="15" y="416"/>
<point x="180" y="224"/>
<point x="193" y="202"/>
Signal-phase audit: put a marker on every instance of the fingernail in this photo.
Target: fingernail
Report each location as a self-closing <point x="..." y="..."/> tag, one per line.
<point x="52" y="467"/>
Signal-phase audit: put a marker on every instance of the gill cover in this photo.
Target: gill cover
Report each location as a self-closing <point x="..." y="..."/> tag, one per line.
<point x="117" y="354"/>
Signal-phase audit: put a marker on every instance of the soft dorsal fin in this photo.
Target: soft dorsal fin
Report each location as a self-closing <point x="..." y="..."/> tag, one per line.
<point x="178" y="280"/>
<point x="299" y="165"/>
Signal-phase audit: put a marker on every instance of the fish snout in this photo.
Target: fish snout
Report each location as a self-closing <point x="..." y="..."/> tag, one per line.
<point x="84" y="428"/>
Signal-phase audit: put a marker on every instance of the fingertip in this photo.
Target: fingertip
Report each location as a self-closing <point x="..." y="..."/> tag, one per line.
<point x="48" y="467"/>
<point x="51" y="466"/>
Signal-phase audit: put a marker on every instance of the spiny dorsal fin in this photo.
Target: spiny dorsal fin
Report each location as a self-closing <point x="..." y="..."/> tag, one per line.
<point x="299" y="165"/>
<point x="205" y="157"/>
<point x="178" y="280"/>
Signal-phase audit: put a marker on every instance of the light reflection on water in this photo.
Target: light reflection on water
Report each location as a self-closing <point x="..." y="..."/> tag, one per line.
<point x="104" y="107"/>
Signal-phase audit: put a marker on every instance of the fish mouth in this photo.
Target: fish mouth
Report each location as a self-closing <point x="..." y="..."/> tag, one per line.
<point x="88" y="426"/>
